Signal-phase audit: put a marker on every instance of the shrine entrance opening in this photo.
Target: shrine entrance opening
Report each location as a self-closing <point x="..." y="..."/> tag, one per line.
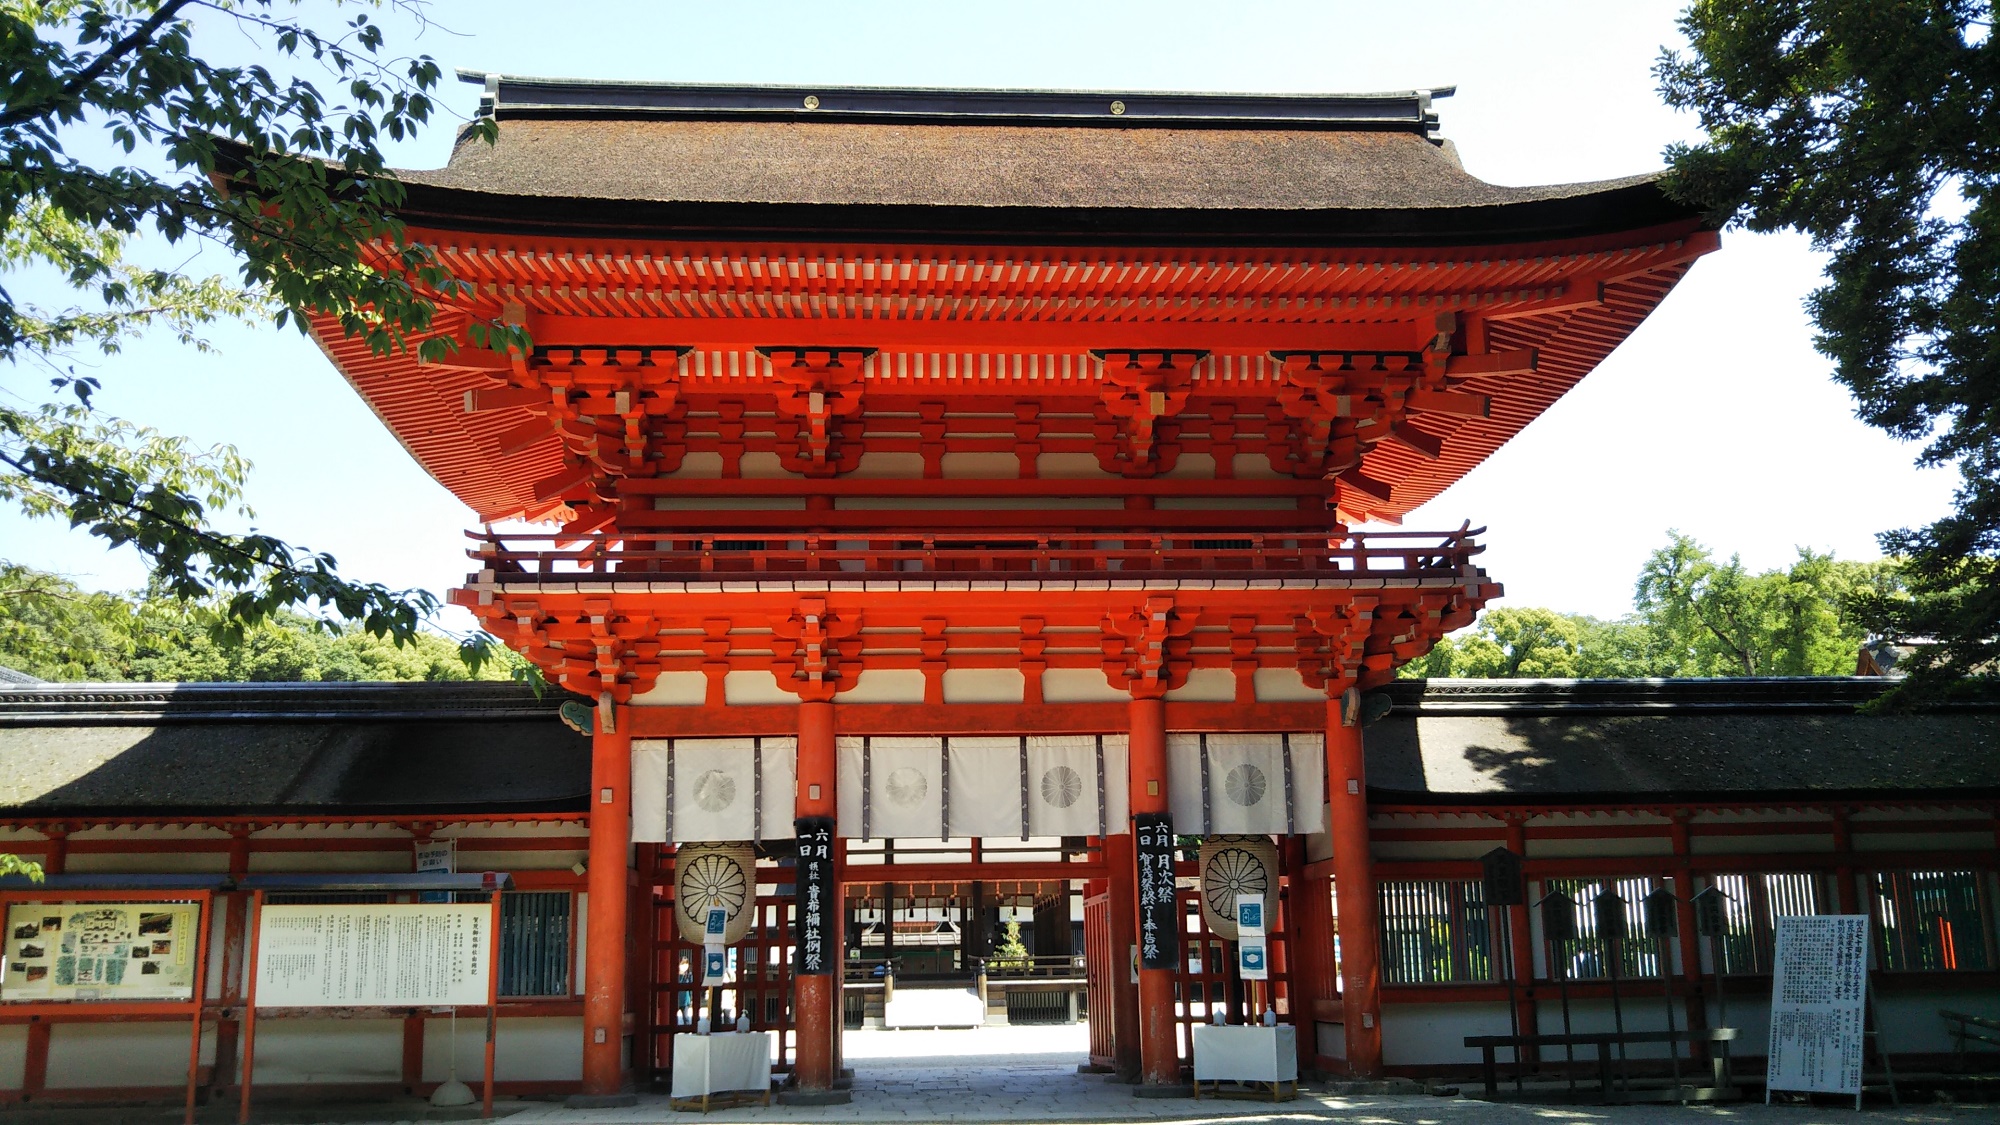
<point x="923" y="954"/>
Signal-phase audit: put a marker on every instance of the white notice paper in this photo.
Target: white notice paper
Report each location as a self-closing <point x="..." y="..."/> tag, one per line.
<point x="367" y="954"/>
<point x="1818" y="995"/>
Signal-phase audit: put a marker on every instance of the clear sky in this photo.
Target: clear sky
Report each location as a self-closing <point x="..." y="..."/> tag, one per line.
<point x="1716" y="417"/>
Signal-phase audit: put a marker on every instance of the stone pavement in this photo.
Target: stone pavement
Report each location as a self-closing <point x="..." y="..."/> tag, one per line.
<point x="1023" y="1074"/>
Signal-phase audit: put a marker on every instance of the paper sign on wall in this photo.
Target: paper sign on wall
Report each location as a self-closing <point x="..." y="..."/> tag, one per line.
<point x="101" y="951"/>
<point x="368" y="954"/>
<point x="1818" y="996"/>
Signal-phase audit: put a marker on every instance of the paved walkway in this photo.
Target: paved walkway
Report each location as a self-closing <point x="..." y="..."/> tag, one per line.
<point x="1024" y="1074"/>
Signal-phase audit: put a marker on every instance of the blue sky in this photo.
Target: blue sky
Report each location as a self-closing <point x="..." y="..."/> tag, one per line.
<point x="1716" y="417"/>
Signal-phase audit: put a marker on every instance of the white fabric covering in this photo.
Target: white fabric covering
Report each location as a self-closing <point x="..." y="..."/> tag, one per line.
<point x="1239" y="1053"/>
<point x="1246" y="783"/>
<point x="905" y="780"/>
<point x="715" y="784"/>
<point x="721" y="1063"/>
<point x="986" y="786"/>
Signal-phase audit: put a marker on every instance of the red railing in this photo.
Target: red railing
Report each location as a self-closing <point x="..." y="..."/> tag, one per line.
<point x="963" y="555"/>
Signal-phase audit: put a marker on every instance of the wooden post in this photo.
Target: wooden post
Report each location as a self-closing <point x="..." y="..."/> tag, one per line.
<point x="206" y="921"/>
<point x="1121" y="862"/>
<point x="1159" y="1050"/>
<point x="1520" y="940"/>
<point x="1354" y="886"/>
<point x="1309" y="926"/>
<point x="604" y="959"/>
<point x="816" y="999"/>
<point x="250" y="1015"/>
<point x="492" y="1006"/>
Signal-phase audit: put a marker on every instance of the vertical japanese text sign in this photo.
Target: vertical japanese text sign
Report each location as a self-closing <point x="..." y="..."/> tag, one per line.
<point x="1159" y="907"/>
<point x="814" y="903"/>
<point x="1817" y="996"/>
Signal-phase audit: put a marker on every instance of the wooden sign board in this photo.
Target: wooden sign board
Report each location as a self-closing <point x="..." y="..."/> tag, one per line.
<point x="1159" y="901"/>
<point x="101" y="951"/>
<point x="1818" y="995"/>
<point x="374" y="954"/>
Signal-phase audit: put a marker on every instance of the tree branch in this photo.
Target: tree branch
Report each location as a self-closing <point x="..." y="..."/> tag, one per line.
<point x="83" y="78"/>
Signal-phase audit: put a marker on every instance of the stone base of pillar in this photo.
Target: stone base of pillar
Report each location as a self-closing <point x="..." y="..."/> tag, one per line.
<point x="1095" y="1068"/>
<point x="814" y="1097"/>
<point x="600" y="1101"/>
<point x="1144" y="1090"/>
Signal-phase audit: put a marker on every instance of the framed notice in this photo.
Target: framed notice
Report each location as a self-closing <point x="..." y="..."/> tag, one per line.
<point x="1159" y="903"/>
<point x="815" y="899"/>
<point x="1819" y="992"/>
<point x="367" y="954"/>
<point x="101" y="951"/>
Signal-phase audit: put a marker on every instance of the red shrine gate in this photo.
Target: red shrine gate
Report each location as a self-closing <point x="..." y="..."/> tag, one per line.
<point x="837" y="451"/>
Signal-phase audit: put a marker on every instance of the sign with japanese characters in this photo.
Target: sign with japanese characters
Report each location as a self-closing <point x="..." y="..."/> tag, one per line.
<point x="1818" y="996"/>
<point x="815" y="953"/>
<point x="1159" y="905"/>
<point x="101" y="951"/>
<point x="369" y="954"/>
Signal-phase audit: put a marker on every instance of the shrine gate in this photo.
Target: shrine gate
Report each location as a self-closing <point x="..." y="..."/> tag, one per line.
<point x="900" y="454"/>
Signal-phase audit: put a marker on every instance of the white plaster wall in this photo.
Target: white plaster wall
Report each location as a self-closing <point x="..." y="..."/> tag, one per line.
<point x="1922" y="841"/>
<point x="537" y="1049"/>
<point x="1593" y="1016"/>
<point x="984" y="685"/>
<point x="701" y="464"/>
<point x="1252" y="466"/>
<point x="1284" y="685"/>
<point x="878" y="465"/>
<point x="1079" y="685"/>
<point x="122" y="1054"/>
<point x="1427" y="1034"/>
<point x="1205" y="685"/>
<point x="754" y="686"/>
<point x="1725" y="845"/>
<point x="676" y="689"/>
<point x="978" y="465"/>
<point x="1226" y="503"/>
<point x="311" y="1050"/>
<point x="148" y="862"/>
<point x="13" y="1055"/>
<point x="885" y="685"/>
<point x="1192" y="466"/>
<point x="1599" y="846"/>
<point x="763" y="466"/>
<point x="744" y="503"/>
<point x="1068" y="466"/>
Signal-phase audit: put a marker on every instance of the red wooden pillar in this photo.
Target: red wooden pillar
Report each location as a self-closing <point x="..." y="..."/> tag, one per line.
<point x="1309" y="938"/>
<point x="604" y="951"/>
<point x="816" y="999"/>
<point x="1159" y="1049"/>
<point x="1527" y="1017"/>
<point x="1354" y="887"/>
<point x="1121" y="862"/>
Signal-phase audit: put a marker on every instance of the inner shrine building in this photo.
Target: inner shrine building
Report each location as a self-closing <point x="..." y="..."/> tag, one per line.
<point x="974" y="475"/>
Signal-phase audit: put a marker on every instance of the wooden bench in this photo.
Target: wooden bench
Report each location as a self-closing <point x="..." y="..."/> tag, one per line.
<point x="1965" y="1030"/>
<point x="1604" y="1041"/>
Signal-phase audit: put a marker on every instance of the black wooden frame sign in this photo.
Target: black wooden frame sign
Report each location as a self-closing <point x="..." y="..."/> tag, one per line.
<point x="1159" y="902"/>
<point x="815" y="903"/>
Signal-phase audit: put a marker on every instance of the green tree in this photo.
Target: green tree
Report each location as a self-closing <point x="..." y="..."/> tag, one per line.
<point x="51" y="629"/>
<point x="1010" y="953"/>
<point x="1873" y="126"/>
<point x="291" y="181"/>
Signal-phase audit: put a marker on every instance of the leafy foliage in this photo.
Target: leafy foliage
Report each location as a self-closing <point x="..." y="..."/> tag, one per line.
<point x="51" y="629"/>
<point x="1693" y="616"/>
<point x="290" y="180"/>
<point x="1873" y="126"/>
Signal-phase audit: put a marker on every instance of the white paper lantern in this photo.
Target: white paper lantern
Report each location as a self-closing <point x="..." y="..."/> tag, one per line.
<point x="707" y="875"/>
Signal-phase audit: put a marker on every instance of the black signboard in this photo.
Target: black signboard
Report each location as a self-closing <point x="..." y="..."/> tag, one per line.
<point x="813" y="952"/>
<point x="1558" y="917"/>
<point x="1662" y="914"/>
<point x="1159" y="906"/>
<point x="1710" y="918"/>
<point x="1504" y="885"/>
<point x="1611" y="923"/>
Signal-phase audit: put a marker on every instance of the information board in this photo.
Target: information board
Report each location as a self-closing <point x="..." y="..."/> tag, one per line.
<point x="101" y="951"/>
<point x="1251" y="960"/>
<point x="1159" y="904"/>
<point x="1818" y="996"/>
<point x="815" y="899"/>
<point x="367" y="954"/>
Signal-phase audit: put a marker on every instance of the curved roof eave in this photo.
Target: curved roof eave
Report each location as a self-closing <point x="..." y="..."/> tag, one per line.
<point x="1618" y="206"/>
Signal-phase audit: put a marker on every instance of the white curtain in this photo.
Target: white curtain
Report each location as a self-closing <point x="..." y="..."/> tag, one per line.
<point x="715" y="785"/>
<point x="986" y="786"/>
<point x="1245" y="783"/>
<point x="904" y="782"/>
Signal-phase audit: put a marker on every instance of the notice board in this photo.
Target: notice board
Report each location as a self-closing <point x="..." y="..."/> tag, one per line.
<point x="101" y="951"/>
<point x="815" y="899"/>
<point x="1159" y="903"/>
<point x="366" y="954"/>
<point x="1818" y="995"/>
